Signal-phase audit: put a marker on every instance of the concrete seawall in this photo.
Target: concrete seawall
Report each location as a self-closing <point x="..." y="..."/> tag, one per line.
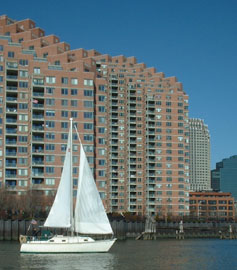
<point x="12" y="229"/>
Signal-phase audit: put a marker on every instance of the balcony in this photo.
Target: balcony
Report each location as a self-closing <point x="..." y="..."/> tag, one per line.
<point x="10" y="140"/>
<point x="11" y="130"/>
<point x="12" y="77"/>
<point x="38" y="138"/>
<point x="38" y="116"/>
<point x="38" y="150"/>
<point x="38" y="105"/>
<point x="37" y="181"/>
<point x="10" y="174"/>
<point x="11" y="109"/>
<point x="11" y="120"/>
<point x="12" y="88"/>
<point x="38" y="127"/>
<point x="11" y="164"/>
<point x="11" y="99"/>
<point x="11" y="153"/>
<point x="13" y="65"/>
<point x="10" y="184"/>
<point x="37" y="161"/>
<point x="37" y="173"/>
<point x="38" y="94"/>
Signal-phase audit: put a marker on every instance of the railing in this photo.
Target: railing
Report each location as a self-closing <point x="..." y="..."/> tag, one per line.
<point x="11" y="130"/>
<point x="11" y="153"/>
<point x="14" y="88"/>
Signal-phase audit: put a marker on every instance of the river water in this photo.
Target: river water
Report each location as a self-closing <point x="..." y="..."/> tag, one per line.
<point x="195" y="254"/>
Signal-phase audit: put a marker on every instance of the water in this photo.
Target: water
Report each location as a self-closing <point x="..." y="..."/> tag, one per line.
<point x="128" y="255"/>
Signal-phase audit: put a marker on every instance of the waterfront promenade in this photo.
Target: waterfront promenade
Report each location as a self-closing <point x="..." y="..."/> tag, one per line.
<point x="11" y="229"/>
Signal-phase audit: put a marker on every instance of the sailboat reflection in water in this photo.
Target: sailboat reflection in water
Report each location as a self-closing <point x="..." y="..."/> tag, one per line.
<point x="88" y="217"/>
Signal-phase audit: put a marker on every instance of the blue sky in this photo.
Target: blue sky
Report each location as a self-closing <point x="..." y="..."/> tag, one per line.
<point x="196" y="41"/>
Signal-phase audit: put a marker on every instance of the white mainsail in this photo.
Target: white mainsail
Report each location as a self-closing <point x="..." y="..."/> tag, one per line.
<point x="90" y="215"/>
<point x="60" y="213"/>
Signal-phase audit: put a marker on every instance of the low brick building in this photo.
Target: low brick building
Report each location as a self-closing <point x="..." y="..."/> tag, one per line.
<point x="212" y="205"/>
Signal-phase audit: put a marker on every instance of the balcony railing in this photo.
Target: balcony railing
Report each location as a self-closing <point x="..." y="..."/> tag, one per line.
<point x="11" y="141"/>
<point x="12" y="88"/>
<point x="11" y="130"/>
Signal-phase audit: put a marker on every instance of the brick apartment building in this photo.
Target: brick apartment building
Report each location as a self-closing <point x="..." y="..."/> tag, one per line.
<point x="211" y="205"/>
<point x="132" y="120"/>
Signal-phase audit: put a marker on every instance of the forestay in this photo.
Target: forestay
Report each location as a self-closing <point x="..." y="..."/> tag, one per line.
<point x="90" y="215"/>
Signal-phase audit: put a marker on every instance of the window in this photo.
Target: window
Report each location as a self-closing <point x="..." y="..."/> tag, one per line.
<point x="88" y="137"/>
<point x="64" y="124"/>
<point x="101" y="162"/>
<point x="88" y="82"/>
<point x="1" y="48"/>
<point x="63" y="147"/>
<point x="64" y="102"/>
<point x="64" y="136"/>
<point x="23" y="117"/>
<point x="49" y="90"/>
<point x="101" y="141"/>
<point x="74" y="81"/>
<point x="73" y="92"/>
<point x="23" y="84"/>
<point x="101" y="173"/>
<point x="50" y="170"/>
<point x="64" y="114"/>
<point x="22" y="149"/>
<point x="101" y="108"/>
<point x="64" y="80"/>
<point x="23" y="128"/>
<point x="64" y="91"/>
<point x="50" y="147"/>
<point x="101" y="152"/>
<point x="50" y="113"/>
<point x="102" y="98"/>
<point x="50" y="136"/>
<point x="23" y="62"/>
<point x="88" y="104"/>
<point x="102" y="119"/>
<point x="23" y="73"/>
<point x="88" y="126"/>
<point x="74" y="103"/>
<point x="37" y="70"/>
<point x="101" y="130"/>
<point x="50" y="101"/>
<point x="22" y="138"/>
<point x="10" y="54"/>
<point x="49" y="158"/>
<point x="22" y="172"/>
<point x="74" y="114"/>
<point x="102" y="87"/>
<point x="50" y="124"/>
<point x="88" y="93"/>
<point x="50" y="181"/>
<point x="88" y="115"/>
<point x="50" y="79"/>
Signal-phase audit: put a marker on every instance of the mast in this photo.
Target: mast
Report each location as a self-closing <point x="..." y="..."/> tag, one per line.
<point x="71" y="179"/>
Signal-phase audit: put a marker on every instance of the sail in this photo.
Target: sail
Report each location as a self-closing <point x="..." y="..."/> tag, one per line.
<point x="60" y="213"/>
<point x="90" y="215"/>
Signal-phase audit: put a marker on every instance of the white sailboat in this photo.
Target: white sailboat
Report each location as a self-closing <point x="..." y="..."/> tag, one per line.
<point x="89" y="216"/>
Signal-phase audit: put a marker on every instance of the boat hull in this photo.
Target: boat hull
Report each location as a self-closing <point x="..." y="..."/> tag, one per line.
<point x="67" y="245"/>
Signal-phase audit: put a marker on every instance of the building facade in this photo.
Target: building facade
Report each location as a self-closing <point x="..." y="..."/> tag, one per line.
<point x="224" y="176"/>
<point x="212" y="205"/>
<point x="132" y="120"/>
<point x="200" y="176"/>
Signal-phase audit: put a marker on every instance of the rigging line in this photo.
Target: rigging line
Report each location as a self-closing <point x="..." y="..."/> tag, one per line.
<point x="77" y="134"/>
